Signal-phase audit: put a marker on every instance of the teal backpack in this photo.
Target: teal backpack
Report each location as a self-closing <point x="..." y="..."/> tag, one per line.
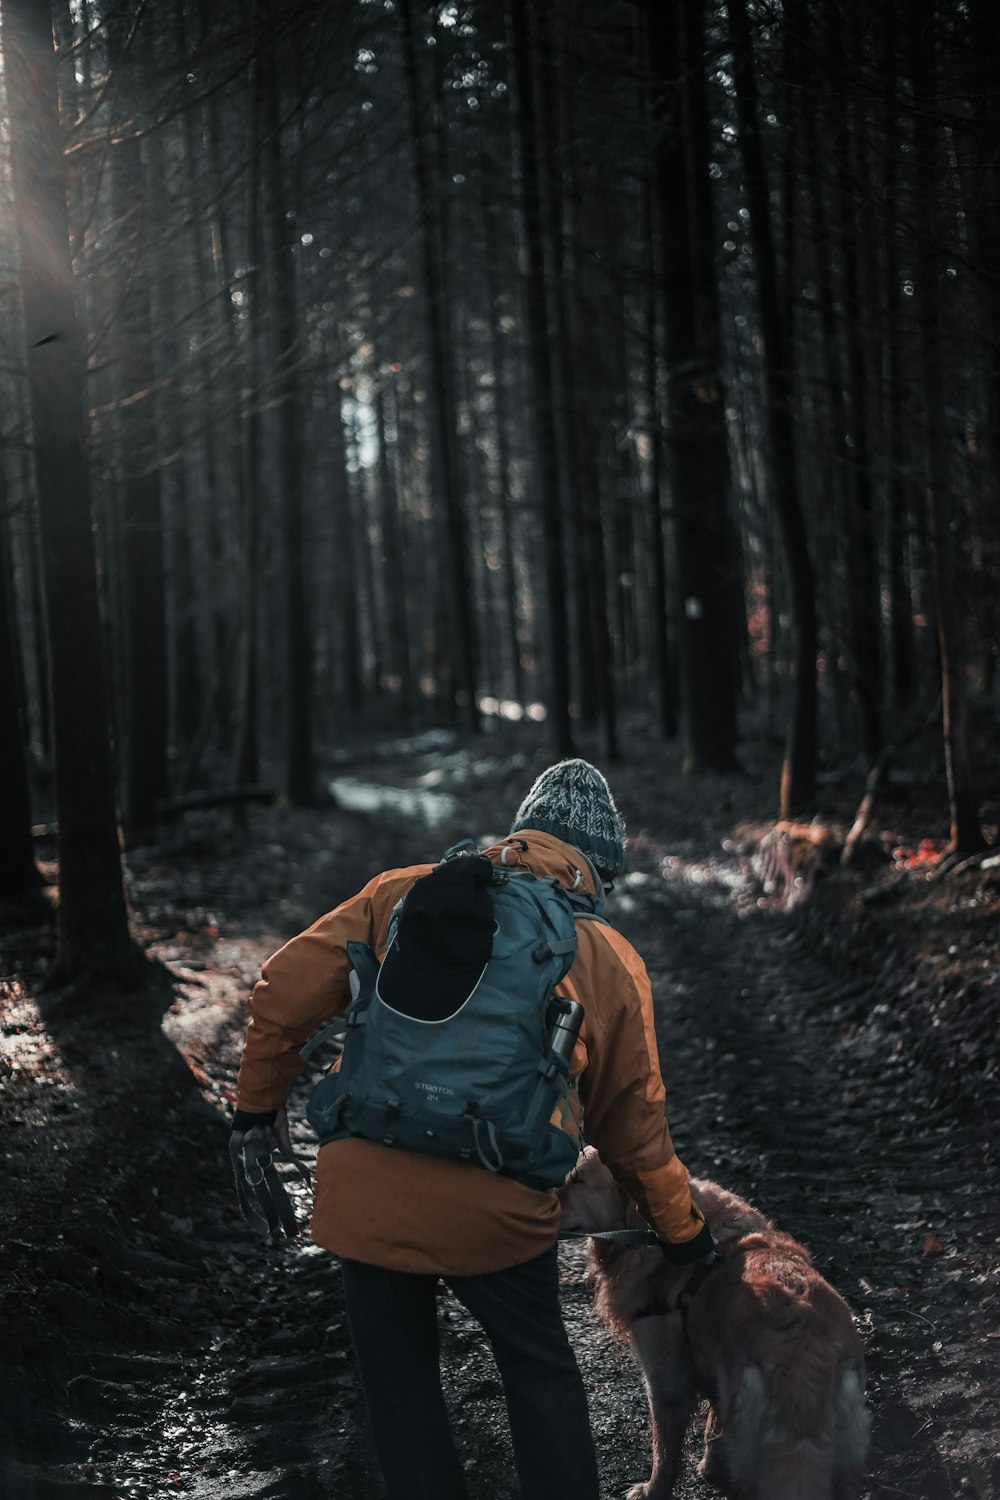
<point x="487" y="1084"/>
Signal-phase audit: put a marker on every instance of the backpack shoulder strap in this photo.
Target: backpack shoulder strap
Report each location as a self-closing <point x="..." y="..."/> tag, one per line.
<point x="364" y="973"/>
<point x="586" y="907"/>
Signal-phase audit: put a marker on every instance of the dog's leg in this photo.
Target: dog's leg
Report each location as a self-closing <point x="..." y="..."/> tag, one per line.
<point x="660" y="1347"/>
<point x="713" y="1464"/>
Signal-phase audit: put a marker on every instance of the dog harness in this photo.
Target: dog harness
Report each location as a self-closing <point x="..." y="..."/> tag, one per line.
<point x="660" y="1307"/>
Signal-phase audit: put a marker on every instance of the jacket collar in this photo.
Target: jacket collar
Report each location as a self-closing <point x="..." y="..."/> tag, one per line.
<point x="544" y="854"/>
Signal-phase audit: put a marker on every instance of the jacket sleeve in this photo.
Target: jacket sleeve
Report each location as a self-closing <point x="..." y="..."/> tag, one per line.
<point x="623" y="1094"/>
<point x="303" y="985"/>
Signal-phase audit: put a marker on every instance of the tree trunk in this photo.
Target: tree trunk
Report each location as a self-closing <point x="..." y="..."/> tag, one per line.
<point x="542" y="383"/>
<point x="93" y="936"/>
<point x="18" y="874"/>
<point x="661" y="633"/>
<point x="287" y="391"/>
<point x="900" y="664"/>
<point x="966" y="833"/>
<point x="986" y="230"/>
<point x="698" y="460"/>
<point x="250" y="450"/>
<point x="141" y="509"/>
<point x="798" y="775"/>
<point x="393" y="557"/>
<point x="557" y="193"/>
<point x="171" y="283"/>
<point x="831" y="482"/>
<point x="862" y="576"/>
<point x="345" y="624"/>
<point x="445" y="483"/>
<point x="501" y="422"/>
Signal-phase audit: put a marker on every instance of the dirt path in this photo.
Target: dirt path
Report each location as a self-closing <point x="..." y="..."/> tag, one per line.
<point x="172" y="1354"/>
<point x="802" y="1104"/>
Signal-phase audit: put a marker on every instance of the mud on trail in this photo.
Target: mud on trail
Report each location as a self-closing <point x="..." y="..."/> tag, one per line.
<point x="152" y="1347"/>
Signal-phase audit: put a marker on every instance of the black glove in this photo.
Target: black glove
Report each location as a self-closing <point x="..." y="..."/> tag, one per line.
<point x="253" y="1145"/>
<point x="701" y="1247"/>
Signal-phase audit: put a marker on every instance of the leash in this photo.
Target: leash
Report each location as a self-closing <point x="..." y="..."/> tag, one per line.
<point x="617" y="1236"/>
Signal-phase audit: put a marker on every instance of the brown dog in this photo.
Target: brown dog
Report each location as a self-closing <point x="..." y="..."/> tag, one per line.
<point x="761" y="1335"/>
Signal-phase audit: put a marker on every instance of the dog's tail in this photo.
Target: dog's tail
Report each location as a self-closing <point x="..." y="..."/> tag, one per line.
<point x="854" y="1424"/>
<point x="770" y="1460"/>
<point x="745" y="1424"/>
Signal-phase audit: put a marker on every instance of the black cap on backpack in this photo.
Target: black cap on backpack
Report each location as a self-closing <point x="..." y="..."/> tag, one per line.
<point x="443" y="941"/>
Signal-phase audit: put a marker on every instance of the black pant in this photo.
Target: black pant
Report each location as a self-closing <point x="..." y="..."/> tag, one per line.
<point x="393" y="1319"/>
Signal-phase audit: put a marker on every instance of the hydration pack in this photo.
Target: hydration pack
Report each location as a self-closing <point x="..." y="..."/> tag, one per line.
<point x="485" y="1082"/>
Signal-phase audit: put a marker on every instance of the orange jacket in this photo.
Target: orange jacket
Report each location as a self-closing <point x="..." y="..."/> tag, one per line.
<point x="416" y="1213"/>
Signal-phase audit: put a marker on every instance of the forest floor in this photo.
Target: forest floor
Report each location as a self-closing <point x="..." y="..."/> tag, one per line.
<point x="834" y="1058"/>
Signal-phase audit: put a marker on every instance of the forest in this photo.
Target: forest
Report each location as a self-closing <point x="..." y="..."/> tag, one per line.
<point x="397" y="397"/>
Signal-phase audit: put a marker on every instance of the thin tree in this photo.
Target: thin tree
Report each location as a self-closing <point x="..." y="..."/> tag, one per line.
<point x="900" y="669"/>
<point x="393" y="551"/>
<point x="142" y="520"/>
<point x="863" y="579"/>
<point x="542" y="380"/>
<point x="966" y="832"/>
<point x="491" y="222"/>
<point x="288" y="391"/>
<point x="251" y="439"/>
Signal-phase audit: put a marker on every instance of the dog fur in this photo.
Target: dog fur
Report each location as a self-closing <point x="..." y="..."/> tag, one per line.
<point x="764" y="1338"/>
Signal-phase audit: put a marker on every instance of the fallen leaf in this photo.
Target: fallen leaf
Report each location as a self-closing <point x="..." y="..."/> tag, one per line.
<point x="933" y="1246"/>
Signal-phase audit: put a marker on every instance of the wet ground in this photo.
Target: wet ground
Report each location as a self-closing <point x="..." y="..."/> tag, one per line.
<point x="154" y="1348"/>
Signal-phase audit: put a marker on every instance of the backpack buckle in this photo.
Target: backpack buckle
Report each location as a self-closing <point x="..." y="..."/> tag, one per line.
<point x="462" y="850"/>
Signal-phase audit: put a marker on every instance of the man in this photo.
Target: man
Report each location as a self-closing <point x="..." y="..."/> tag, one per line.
<point x="401" y="1222"/>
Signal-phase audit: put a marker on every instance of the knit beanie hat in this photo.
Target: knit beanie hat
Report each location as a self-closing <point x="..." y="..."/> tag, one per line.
<point x="572" y="801"/>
